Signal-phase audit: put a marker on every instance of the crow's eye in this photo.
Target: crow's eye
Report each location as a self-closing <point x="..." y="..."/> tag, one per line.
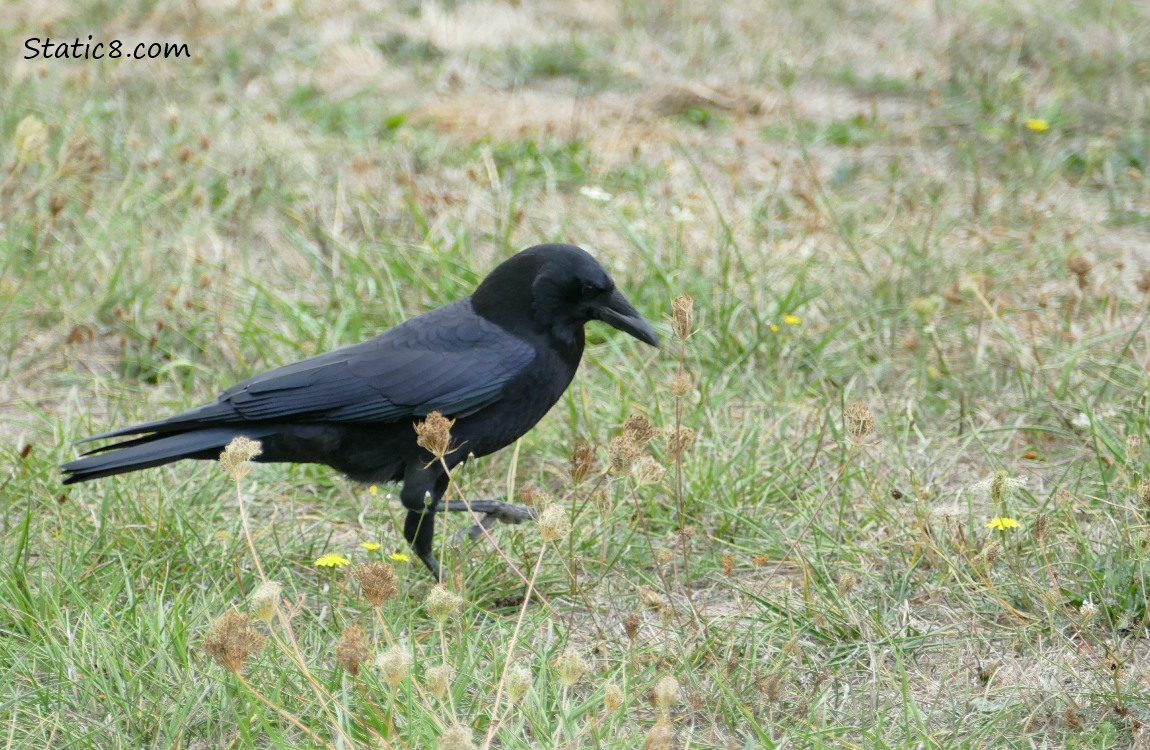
<point x="590" y="290"/>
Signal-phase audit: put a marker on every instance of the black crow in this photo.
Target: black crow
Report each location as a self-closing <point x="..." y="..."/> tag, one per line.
<point x="495" y="362"/>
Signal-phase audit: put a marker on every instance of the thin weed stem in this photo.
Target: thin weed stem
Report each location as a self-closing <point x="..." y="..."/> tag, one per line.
<point x="511" y="648"/>
<point x="262" y="699"/>
<point x="294" y="653"/>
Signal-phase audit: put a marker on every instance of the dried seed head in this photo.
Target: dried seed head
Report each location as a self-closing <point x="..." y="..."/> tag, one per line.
<point x="859" y="421"/>
<point x="648" y="471"/>
<point x="1071" y="717"/>
<point x="456" y="737"/>
<point x="651" y="598"/>
<point x="553" y="523"/>
<point x="631" y="625"/>
<point x="519" y="681"/>
<point x="638" y="429"/>
<point x="1041" y="521"/>
<point x="438" y="679"/>
<point x="433" y="434"/>
<point x="80" y="158"/>
<point x="681" y="385"/>
<point x="1144" y="493"/>
<point x="231" y="640"/>
<point x="991" y="554"/>
<point x="1088" y="610"/>
<point x="442" y="603"/>
<point x="622" y="452"/>
<point x="998" y="486"/>
<point x="661" y="737"/>
<point x="533" y="497"/>
<point x="378" y="581"/>
<point x="31" y="140"/>
<point x="352" y="650"/>
<point x="683" y="310"/>
<point x="393" y="665"/>
<point x="1080" y="266"/>
<point x="57" y="203"/>
<point x="846" y="583"/>
<point x="237" y="456"/>
<point x="665" y="693"/>
<point x="266" y="600"/>
<point x="926" y="308"/>
<point x="678" y="441"/>
<point x="612" y="697"/>
<point x="665" y="556"/>
<point x="570" y="665"/>
<point x="1133" y="447"/>
<point x="582" y="461"/>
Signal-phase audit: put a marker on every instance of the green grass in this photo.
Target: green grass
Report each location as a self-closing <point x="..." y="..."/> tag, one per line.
<point x="860" y="213"/>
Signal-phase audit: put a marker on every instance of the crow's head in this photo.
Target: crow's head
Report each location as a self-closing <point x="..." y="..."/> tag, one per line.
<point x="556" y="289"/>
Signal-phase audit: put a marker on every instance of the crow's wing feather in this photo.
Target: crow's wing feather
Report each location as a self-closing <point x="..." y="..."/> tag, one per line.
<point x="449" y="360"/>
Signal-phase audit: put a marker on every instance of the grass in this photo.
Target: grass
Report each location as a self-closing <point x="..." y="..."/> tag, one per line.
<point x="867" y="226"/>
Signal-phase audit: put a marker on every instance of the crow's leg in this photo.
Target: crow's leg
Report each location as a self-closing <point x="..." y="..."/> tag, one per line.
<point x="493" y="510"/>
<point x="423" y="486"/>
<point x="419" y="531"/>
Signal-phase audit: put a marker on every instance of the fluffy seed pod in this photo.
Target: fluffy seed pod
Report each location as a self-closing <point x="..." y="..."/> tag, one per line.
<point x="237" y="456"/>
<point x="352" y="650"/>
<point x="553" y="523"/>
<point x="612" y="697"/>
<point x="582" y="461"/>
<point x="266" y="600"/>
<point x="378" y="581"/>
<point x="393" y="665"/>
<point x="442" y="603"/>
<point x="438" y="679"/>
<point x="231" y="640"/>
<point x="665" y="693"/>
<point x="570" y="665"/>
<point x="859" y="421"/>
<point x="433" y="434"/>
<point x="683" y="313"/>
<point x="519" y="681"/>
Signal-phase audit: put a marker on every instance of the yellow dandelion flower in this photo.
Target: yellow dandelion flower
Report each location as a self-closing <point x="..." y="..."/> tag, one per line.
<point x="370" y="546"/>
<point x="1002" y="523"/>
<point x="792" y="320"/>
<point x="373" y="489"/>
<point x="1037" y="124"/>
<point x="399" y="557"/>
<point x="332" y="560"/>
<point x="774" y="328"/>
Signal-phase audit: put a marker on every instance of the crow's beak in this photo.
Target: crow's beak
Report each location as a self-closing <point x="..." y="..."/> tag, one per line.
<point x="617" y="312"/>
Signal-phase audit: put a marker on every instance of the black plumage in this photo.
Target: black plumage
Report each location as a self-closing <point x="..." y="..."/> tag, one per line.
<point x="495" y="362"/>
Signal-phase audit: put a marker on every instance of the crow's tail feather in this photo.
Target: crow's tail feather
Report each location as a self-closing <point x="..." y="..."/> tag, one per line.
<point x="153" y="450"/>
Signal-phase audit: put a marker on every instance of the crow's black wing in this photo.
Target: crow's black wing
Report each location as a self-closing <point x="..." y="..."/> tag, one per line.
<point x="449" y="360"/>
